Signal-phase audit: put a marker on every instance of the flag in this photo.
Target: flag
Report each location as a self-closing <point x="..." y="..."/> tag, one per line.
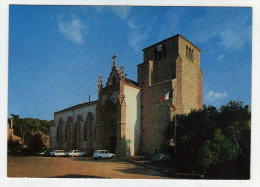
<point x="172" y="106"/>
<point x="167" y="96"/>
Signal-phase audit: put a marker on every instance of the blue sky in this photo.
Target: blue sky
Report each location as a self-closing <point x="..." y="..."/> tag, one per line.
<point x="57" y="52"/>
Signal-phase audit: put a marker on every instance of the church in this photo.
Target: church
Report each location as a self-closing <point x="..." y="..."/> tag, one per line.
<point x="129" y="117"/>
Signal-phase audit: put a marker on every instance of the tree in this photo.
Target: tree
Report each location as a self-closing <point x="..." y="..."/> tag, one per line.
<point x="216" y="151"/>
<point x="26" y="127"/>
<point x="214" y="140"/>
<point x="192" y="131"/>
<point x="35" y="142"/>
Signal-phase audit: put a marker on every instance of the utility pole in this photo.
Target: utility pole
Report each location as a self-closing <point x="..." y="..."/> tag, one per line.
<point x="175" y="138"/>
<point x="22" y="137"/>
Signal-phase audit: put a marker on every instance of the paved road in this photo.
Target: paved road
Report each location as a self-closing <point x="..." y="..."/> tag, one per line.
<point x="85" y="167"/>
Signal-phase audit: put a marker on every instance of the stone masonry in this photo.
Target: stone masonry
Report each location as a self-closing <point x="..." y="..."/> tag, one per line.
<point x="172" y="63"/>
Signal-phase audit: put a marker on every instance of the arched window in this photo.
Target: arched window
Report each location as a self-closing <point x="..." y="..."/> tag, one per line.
<point x="113" y="80"/>
<point x="192" y="55"/>
<point x="113" y="122"/>
<point x="66" y="134"/>
<point x="187" y="55"/>
<point x="59" y="133"/>
<point x="86" y="131"/>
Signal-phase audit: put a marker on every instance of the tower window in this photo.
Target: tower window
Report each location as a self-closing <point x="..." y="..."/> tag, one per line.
<point x="187" y="51"/>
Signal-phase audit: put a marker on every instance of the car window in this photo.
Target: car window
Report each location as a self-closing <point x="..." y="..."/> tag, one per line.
<point x="106" y="151"/>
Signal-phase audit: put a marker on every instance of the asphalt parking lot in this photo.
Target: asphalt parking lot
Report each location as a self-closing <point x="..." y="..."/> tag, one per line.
<point x="77" y="167"/>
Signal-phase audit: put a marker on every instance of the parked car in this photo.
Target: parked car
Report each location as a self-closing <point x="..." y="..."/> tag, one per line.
<point x="103" y="154"/>
<point x="75" y="153"/>
<point x="43" y="153"/>
<point x="57" y="153"/>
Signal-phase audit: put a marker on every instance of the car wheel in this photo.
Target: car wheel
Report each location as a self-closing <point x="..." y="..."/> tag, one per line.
<point x="112" y="156"/>
<point x="99" y="157"/>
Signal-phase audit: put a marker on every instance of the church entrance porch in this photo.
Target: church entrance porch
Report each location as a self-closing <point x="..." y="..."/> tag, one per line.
<point x="109" y="126"/>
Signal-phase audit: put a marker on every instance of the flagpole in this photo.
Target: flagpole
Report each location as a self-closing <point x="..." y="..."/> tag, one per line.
<point x="175" y="138"/>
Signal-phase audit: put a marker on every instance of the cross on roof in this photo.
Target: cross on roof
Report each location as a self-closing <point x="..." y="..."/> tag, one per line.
<point x="114" y="57"/>
<point x="114" y="62"/>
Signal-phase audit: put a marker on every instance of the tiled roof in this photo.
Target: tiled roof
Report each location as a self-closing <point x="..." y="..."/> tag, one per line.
<point x="131" y="83"/>
<point x="77" y="106"/>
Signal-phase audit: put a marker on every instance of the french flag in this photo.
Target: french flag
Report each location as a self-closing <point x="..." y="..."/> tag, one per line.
<point x="167" y="96"/>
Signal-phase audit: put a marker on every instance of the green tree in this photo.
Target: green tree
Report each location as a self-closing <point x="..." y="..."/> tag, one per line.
<point x="215" y="140"/>
<point x="233" y="120"/>
<point x="192" y="131"/>
<point x="26" y="127"/>
<point x="216" y="151"/>
<point x="35" y="142"/>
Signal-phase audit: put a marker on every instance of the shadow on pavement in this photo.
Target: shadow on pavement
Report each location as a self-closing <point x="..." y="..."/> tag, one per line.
<point x="76" y="176"/>
<point x="141" y="171"/>
<point x="107" y="160"/>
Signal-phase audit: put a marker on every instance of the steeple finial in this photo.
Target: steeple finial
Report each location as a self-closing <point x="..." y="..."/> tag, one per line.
<point x="122" y="71"/>
<point x="114" y="62"/>
<point x="100" y="82"/>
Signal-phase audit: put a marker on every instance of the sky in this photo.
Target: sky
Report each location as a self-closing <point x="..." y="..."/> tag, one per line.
<point x="57" y="52"/>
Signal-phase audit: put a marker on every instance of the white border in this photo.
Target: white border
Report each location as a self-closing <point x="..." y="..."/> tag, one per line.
<point x="255" y="106"/>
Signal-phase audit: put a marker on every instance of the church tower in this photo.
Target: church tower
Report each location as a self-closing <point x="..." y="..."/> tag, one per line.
<point x="173" y="63"/>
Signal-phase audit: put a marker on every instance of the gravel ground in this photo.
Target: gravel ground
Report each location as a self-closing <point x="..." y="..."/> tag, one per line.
<point x="81" y="167"/>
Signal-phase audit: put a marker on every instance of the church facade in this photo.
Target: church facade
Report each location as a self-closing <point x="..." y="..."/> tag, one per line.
<point x="129" y="118"/>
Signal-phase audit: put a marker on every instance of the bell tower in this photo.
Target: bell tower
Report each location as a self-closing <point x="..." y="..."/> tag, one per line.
<point x="173" y="63"/>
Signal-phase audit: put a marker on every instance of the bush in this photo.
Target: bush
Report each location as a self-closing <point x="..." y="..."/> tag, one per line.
<point x="217" y="151"/>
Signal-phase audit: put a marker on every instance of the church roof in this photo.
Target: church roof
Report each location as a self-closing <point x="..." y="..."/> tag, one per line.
<point x="77" y="106"/>
<point x="131" y="83"/>
<point x="177" y="35"/>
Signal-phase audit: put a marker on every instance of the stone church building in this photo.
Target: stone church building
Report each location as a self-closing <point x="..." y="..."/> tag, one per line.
<point x="129" y="118"/>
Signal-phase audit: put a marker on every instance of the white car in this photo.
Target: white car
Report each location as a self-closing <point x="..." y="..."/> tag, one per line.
<point x="75" y="153"/>
<point x="57" y="153"/>
<point x="103" y="154"/>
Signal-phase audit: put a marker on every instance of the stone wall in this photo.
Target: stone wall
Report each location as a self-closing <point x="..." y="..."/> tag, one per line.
<point x="155" y="116"/>
<point x="191" y="77"/>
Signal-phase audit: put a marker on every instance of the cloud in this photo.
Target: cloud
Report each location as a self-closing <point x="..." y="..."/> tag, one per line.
<point x="221" y="57"/>
<point x="233" y="39"/>
<point x="171" y="24"/>
<point x="131" y="24"/>
<point x="231" y="28"/>
<point x="71" y="30"/>
<point x="136" y="39"/>
<point x="211" y="95"/>
<point x="99" y="8"/>
<point x="121" y="11"/>
<point x="137" y="34"/>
